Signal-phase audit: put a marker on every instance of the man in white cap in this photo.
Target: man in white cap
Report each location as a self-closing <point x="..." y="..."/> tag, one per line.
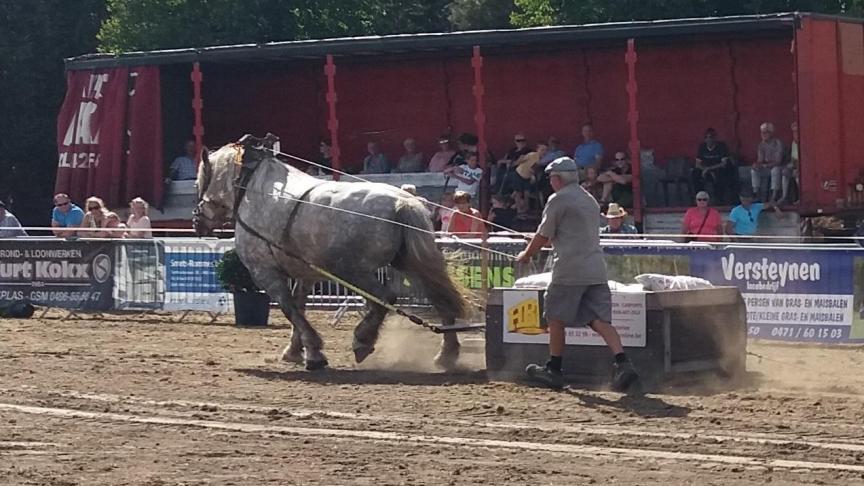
<point x="579" y="292"/>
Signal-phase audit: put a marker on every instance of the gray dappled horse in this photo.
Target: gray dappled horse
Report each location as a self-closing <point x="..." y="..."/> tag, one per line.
<point x="277" y="236"/>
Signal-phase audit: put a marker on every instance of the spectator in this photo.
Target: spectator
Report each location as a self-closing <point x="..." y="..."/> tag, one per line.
<point x="411" y="160"/>
<point x="769" y="162"/>
<point x="715" y="166"/>
<point x="502" y="212"/>
<point x="553" y="151"/>
<point x="10" y="227"/>
<point x="441" y="159"/>
<point x="442" y="215"/>
<point x="618" y="182"/>
<point x="615" y="222"/>
<point x="505" y="169"/>
<point x="465" y="220"/>
<point x="591" y="184"/>
<point x="467" y="175"/>
<point x="523" y="178"/>
<point x="139" y="221"/>
<point x="183" y="167"/>
<point x="790" y="172"/>
<point x="95" y="218"/>
<point x="590" y="152"/>
<point x="412" y="190"/>
<point x="376" y="162"/>
<point x="65" y="215"/>
<point x="325" y="159"/>
<point x="744" y="218"/>
<point x="112" y="222"/>
<point x="702" y="220"/>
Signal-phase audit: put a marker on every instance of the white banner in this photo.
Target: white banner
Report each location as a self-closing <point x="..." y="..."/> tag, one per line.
<point x="522" y="320"/>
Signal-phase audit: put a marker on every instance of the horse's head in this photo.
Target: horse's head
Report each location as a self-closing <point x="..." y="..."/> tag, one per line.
<point x="216" y="176"/>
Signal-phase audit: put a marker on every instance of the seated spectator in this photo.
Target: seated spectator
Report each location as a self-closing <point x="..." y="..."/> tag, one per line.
<point x="442" y="215"/>
<point x="615" y="222"/>
<point x="376" y="162"/>
<point x="715" y="166"/>
<point x="524" y="179"/>
<point x="468" y="176"/>
<point x="591" y="184"/>
<point x="139" y="221"/>
<point x="326" y="158"/>
<point x="589" y="153"/>
<point x="505" y="169"/>
<point x="183" y="167"/>
<point x="502" y="213"/>
<point x="702" y="220"/>
<point x="553" y="151"/>
<point x="769" y="162"/>
<point x="94" y="219"/>
<point x="112" y="222"/>
<point x="441" y="159"/>
<point x="744" y="218"/>
<point x="411" y="160"/>
<point x="65" y="215"/>
<point x="412" y="190"/>
<point x="618" y="182"/>
<point x="466" y="220"/>
<point x="10" y="227"/>
<point x="790" y="171"/>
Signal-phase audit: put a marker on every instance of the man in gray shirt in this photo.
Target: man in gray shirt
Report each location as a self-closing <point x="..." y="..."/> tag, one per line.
<point x="9" y="225"/>
<point x="769" y="162"/>
<point x="579" y="292"/>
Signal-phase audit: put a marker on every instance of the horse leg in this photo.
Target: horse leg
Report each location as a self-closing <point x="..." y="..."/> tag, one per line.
<point x="309" y="337"/>
<point x="448" y="355"/>
<point x="293" y="353"/>
<point x="366" y="333"/>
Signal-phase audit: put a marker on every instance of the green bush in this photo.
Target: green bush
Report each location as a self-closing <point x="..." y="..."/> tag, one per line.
<point x="233" y="275"/>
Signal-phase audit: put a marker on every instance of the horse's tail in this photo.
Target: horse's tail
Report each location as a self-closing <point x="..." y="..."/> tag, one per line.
<point x="424" y="263"/>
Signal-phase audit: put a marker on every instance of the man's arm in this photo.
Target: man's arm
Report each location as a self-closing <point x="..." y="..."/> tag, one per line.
<point x="730" y="227"/>
<point x="536" y="244"/>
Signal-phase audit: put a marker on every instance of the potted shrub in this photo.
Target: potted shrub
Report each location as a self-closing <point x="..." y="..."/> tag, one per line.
<point x="251" y="304"/>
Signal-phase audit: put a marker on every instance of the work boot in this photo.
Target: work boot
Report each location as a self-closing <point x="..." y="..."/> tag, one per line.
<point x="546" y="376"/>
<point x="623" y="376"/>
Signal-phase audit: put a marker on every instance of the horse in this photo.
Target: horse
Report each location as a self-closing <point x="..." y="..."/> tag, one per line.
<point x="288" y="223"/>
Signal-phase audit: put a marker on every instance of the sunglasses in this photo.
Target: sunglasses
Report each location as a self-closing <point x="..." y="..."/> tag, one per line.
<point x="701" y="199"/>
<point x="520" y="140"/>
<point x="620" y="159"/>
<point x="92" y="208"/>
<point x="61" y="204"/>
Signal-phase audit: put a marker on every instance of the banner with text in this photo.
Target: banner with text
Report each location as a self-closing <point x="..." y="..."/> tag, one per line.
<point x="57" y="273"/>
<point x="190" y="275"/>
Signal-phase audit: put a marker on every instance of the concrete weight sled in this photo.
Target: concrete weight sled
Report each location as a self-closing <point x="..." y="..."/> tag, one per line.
<point x="671" y="336"/>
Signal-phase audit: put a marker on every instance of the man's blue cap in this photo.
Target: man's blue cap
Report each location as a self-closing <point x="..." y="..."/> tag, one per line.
<point x="562" y="164"/>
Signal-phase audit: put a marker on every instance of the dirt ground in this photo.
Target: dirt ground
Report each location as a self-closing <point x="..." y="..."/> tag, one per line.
<point x="144" y="400"/>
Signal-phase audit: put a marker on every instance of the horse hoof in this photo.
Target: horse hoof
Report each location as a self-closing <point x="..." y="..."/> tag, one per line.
<point x="446" y="361"/>
<point x="362" y="352"/>
<point x="291" y="357"/>
<point x="316" y="365"/>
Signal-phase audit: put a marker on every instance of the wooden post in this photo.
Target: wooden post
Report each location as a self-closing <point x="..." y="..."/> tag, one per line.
<point x="480" y="128"/>
<point x="197" y="108"/>
<point x="633" y="121"/>
<point x="332" y="121"/>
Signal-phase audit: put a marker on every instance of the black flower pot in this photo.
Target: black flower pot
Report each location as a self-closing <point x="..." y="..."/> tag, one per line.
<point x="251" y="309"/>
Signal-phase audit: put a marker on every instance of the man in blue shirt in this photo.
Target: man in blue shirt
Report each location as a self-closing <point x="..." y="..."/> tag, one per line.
<point x="744" y="218"/>
<point x="589" y="153"/>
<point x="65" y="215"/>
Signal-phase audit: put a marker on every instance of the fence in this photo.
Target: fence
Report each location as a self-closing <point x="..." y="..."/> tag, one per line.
<point x="793" y="293"/>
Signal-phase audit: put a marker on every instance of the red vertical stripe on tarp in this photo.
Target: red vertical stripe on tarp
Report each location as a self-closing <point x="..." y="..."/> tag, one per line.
<point x="144" y="167"/>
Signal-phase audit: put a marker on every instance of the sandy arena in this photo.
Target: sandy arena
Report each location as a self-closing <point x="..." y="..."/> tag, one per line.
<point x="146" y="401"/>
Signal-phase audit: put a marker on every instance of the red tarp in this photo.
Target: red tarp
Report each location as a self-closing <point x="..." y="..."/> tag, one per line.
<point x="105" y="114"/>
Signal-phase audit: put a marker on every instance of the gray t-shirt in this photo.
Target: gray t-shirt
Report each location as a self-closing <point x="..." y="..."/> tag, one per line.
<point x="570" y="222"/>
<point x="770" y="151"/>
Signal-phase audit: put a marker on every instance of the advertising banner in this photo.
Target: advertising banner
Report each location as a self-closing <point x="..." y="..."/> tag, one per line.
<point x="523" y="311"/>
<point x="139" y="280"/>
<point x="58" y="273"/>
<point x="792" y="295"/>
<point x="190" y="275"/>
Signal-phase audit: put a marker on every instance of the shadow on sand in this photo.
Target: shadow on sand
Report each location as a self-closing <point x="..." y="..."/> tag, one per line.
<point x="335" y="376"/>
